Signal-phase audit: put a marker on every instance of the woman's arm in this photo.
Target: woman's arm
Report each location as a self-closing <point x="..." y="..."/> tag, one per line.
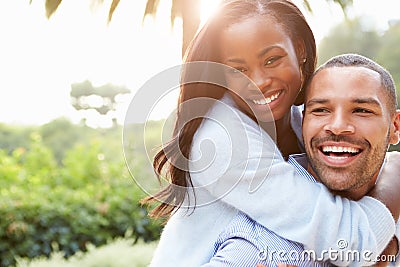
<point x="387" y="188"/>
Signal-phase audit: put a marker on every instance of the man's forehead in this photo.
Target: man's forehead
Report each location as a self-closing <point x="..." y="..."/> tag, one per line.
<point x="352" y="78"/>
<point x="348" y="71"/>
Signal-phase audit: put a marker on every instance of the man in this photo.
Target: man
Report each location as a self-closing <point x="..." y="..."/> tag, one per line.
<point x="350" y="119"/>
<point x="349" y="124"/>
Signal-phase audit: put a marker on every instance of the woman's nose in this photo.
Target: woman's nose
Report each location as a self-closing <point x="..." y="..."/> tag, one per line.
<point x="261" y="78"/>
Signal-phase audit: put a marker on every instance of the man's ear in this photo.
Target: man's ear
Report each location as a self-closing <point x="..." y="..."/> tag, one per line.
<point x="395" y="129"/>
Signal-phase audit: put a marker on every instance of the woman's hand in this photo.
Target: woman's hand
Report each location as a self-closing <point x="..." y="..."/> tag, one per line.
<point x="388" y="186"/>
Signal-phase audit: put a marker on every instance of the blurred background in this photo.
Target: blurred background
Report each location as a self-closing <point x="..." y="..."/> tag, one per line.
<point x="68" y="71"/>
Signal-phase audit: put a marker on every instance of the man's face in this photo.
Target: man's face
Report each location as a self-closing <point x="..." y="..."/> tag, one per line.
<point x="347" y="128"/>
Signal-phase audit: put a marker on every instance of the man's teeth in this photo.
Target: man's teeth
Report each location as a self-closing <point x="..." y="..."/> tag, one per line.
<point x="339" y="149"/>
<point x="266" y="100"/>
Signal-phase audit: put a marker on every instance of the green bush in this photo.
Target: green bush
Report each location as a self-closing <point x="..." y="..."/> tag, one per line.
<point x="87" y="199"/>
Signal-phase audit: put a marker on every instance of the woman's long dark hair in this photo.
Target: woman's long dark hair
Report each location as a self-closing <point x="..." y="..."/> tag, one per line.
<point x="172" y="160"/>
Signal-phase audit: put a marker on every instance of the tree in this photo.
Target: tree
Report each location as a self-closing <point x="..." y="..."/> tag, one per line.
<point x="389" y="55"/>
<point x="389" y="52"/>
<point x="350" y="36"/>
<point x="188" y="10"/>
<point x="103" y="99"/>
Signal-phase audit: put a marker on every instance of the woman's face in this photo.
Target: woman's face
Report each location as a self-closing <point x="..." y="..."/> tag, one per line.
<point x="260" y="49"/>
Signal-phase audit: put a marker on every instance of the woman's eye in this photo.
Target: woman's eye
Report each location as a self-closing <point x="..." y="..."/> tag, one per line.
<point x="236" y="70"/>
<point x="272" y="60"/>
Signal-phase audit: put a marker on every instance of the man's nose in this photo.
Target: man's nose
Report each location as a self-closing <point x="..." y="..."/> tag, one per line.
<point x="339" y="123"/>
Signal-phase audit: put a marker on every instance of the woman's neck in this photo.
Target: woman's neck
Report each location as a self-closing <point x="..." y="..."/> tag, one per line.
<point x="286" y="138"/>
<point x="283" y="125"/>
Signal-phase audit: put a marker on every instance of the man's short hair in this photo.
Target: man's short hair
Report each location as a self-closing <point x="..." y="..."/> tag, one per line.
<point x="355" y="60"/>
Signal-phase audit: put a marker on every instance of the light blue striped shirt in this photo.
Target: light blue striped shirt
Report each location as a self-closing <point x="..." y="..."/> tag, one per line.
<point x="246" y="243"/>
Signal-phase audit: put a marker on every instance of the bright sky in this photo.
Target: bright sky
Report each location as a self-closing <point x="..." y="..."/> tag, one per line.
<point x="41" y="58"/>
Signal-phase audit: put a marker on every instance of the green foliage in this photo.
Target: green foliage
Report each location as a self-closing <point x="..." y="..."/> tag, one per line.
<point x="389" y="53"/>
<point x="38" y="160"/>
<point x="351" y="36"/>
<point x="12" y="137"/>
<point x="60" y="135"/>
<point x="85" y="198"/>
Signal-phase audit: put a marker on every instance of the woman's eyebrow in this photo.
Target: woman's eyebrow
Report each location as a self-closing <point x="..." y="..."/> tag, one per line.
<point x="266" y="50"/>
<point x="259" y="55"/>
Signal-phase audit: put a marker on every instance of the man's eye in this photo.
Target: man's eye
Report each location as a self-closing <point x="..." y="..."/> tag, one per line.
<point x="363" y="111"/>
<point x="319" y="110"/>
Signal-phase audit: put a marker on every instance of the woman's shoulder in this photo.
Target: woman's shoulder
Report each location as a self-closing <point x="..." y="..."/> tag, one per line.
<point x="228" y="133"/>
<point x="225" y="121"/>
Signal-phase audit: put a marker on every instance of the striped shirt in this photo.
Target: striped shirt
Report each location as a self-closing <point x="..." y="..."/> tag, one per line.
<point x="244" y="242"/>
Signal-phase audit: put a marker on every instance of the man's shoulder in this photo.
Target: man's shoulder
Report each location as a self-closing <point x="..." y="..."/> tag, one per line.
<point x="298" y="159"/>
<point x="245" y="228"/>
<point x="300" y="162"/>
<point x="241" y="226"/>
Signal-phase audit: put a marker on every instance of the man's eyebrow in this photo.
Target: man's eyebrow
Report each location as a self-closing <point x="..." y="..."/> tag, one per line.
<point x="358" y="100"/>
<point x="316" y="101"/>
<point x="366" y="100"/>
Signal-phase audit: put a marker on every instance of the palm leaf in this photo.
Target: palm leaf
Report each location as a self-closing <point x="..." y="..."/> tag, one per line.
<point x="344" y="4"/>
<point x="176" y="10"/>
<point x="151" y="8"/>
<point x="51" y="7"/>
<point x="114" y="5"/>
<point x="307" y="5"/>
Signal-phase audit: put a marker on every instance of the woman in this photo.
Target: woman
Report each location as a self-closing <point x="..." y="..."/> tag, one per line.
<point x="212" y="181"/>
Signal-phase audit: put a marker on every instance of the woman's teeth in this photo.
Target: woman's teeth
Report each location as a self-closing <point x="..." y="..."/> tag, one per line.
<point x="266" y="100"/>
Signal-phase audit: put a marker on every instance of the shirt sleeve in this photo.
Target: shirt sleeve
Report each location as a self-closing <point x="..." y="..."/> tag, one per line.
<point x="239" y="164"/>
<point x="235" y="252"/>
<point x="246" y="243"/>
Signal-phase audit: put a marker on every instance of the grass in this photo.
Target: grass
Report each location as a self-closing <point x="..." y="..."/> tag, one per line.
<point x="119" y="253"/>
